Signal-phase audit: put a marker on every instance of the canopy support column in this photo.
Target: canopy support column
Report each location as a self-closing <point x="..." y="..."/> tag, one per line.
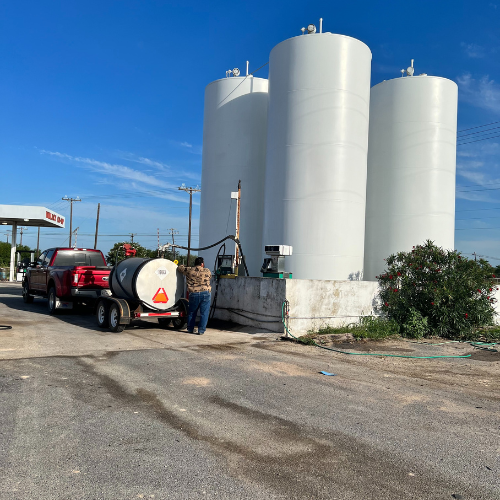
<point x="13" y="247"/>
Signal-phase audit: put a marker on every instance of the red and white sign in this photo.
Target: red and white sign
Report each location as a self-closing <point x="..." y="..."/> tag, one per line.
<point x="54" y="217"/>
<point x="160" y="296"/>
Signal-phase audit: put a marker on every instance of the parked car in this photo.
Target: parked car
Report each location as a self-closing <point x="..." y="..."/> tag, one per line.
<point x="66" y="276"/>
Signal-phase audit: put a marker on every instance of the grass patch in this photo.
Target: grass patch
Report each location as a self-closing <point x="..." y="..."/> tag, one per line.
<point x="485" y="334"/>
<point x="366" y="328"/>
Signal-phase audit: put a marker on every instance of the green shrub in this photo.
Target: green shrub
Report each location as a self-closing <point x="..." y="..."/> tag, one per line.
<point x="416" y="326"/>
<point x="431" y="291"/>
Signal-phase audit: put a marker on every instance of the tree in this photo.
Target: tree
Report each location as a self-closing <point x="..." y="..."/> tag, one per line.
<point x="117" y="251"/>
<point x="433" y="291"/>
<point x="5" y="252"/>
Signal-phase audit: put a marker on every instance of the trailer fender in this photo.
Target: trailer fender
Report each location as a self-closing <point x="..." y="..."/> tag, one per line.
<point x="125" y="317"/>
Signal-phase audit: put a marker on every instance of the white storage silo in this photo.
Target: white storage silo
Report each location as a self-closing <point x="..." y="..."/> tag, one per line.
<point x="319" y="92"/>
<point x="411" y="167"/>
<point x="234" y="148"/>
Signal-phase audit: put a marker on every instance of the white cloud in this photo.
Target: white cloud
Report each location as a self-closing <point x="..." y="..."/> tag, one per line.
<point x="186" y="145"/>
<point x="172" y="172"/>
<point x="473" y="50"/>
<point x="119" y="171"/>
<point x="483" y="93"/>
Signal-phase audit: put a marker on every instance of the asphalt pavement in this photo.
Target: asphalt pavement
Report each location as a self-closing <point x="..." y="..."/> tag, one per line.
<point x="236" y="414"/>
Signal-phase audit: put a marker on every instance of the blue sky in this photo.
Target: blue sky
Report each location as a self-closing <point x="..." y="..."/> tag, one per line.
<point x="104" y="100"/>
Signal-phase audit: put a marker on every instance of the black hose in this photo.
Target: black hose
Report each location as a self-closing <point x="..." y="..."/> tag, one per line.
<point x="211" y="313"/>
<point x="230" y="237"/>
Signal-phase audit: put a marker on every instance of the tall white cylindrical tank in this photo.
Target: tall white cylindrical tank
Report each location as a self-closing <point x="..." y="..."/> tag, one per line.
<point x="319" y="94"/>
<point x="411" y="167"/>
<point x="234" y="148"/>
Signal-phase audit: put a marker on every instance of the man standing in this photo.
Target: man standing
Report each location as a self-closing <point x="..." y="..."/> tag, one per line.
<point x="198" y="286"/>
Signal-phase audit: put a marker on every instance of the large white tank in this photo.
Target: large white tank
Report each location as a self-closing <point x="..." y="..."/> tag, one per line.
<point x="234" y="148"/>
<point x="319" y="93"/>
<point x="411" y="167"/>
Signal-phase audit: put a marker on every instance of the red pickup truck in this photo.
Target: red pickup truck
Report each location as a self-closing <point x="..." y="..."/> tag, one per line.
<point x="66" y="276"/>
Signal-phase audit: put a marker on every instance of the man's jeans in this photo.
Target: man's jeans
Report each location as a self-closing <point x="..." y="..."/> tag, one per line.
<point x="201" y="301"/>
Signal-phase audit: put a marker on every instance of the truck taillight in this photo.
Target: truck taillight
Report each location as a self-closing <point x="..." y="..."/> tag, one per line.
<point x="75" y="279"/>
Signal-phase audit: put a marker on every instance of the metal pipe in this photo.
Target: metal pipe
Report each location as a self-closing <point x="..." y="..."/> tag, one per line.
<point x="321" y="25"/>
<point x="248" y="62"/>
<point x="13" y="245"/>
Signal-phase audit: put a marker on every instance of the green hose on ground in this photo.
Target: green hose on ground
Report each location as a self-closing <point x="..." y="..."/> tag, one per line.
<point x="362" y="353"/>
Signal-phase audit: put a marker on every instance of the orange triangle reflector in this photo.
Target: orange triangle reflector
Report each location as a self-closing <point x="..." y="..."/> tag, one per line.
<point x="160" y="296"/>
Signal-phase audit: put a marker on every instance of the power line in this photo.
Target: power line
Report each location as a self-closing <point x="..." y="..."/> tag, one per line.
<point x="473" y="190"/>
<point x="478" y="140"/>
<point x="474" y="228"/>
<point x="480" y="132"/>
<point x="479" y="126"/>
<point x="477" y="209"/>
<point x="478" y="218"/>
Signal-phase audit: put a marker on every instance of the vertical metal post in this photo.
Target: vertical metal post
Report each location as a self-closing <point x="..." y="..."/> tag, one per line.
<point x="189" y="232"/>
<point x="38" y="243"/>
<point x="13" y="252"/>
<point x="97" y="225"/>
<point x="236" y="253"/>
<point x="70" y="222"/>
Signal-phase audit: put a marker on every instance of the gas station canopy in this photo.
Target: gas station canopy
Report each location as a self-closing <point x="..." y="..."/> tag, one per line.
<point x="29" y="216"/>
<point x="14" y="215"/>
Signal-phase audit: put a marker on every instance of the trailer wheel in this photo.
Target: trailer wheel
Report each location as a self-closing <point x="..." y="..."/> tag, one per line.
<point x="164" y="322"/>
<point x="114" y="319"/>
<point x="28" y="299"/>
<point x="180" y="322"/>
<point x="102" y="314"/>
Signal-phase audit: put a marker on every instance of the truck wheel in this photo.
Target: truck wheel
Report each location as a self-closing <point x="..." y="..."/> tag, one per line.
<point x="114" y="319"/>
<point x="164" y="322"/>
<point x="102" y="314"/>
<point x="52" y="300"/>
<point x="28" y="299"/>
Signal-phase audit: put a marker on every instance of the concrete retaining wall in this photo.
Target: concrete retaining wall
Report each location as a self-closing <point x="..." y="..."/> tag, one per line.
<point x="313" y="303"/>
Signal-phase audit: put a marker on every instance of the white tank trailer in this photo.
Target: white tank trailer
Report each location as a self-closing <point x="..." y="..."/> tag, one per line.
<point x="315" y="188"/>
<point x="234" y="149"/>
<point x="411" y="167"/>
<point x="143" y="289"/>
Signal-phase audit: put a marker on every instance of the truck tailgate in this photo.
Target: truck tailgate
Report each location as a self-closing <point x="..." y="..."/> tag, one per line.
<point x="90" y="277"/>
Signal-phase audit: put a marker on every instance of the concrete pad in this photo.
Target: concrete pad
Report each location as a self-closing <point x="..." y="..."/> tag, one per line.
<point x="35" y="333"/>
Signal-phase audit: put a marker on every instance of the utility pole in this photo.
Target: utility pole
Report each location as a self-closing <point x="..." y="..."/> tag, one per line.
<point x="132" y="236"/>
<point x="7" y="233"/>
<point x="189" y="190"/>
<point x="473" y="253"/>
<point x="22" y="229"/>
<point x="71" y="201"/>
<point x="97" y="225"/>
<point x="172" y="232"/>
